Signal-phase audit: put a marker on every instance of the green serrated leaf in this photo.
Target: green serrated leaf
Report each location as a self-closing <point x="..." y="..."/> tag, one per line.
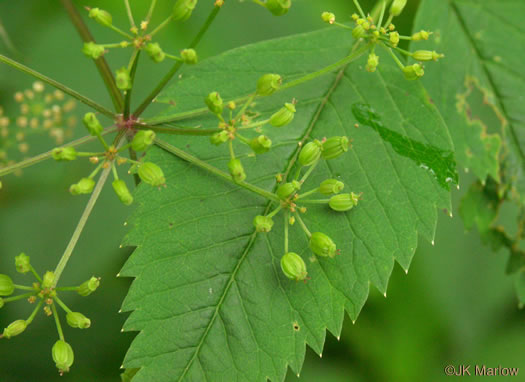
<point x="209" y="298"/>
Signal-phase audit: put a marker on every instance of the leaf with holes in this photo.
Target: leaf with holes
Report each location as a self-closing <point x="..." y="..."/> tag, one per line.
<point x="209" y="299"/>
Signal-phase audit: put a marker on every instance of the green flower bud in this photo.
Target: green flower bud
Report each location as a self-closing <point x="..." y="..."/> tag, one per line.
<point x="183" y="9"/>
<point x="426" y="55"/>
<point x="293" y="266"/>
<point x="268" y="84"/>
<point x="2" y="303"/>
<point x="285" y="191"/>
<point x="15" y="328"/>
<point x="22" y="263"/>
<point x="261" y="144"/>
<point x="48" y="280"/>
<point x="372" y="63"/>
<point x="78" y="320"/>
<point x="343" y="202"/>
<point x="220" y="137"/>
<point x="122" y="191"/>
<point x="236" y="170"/>
<point x="310" y="153"/>
<point x="100" y="16"/>
<point x="263" y="223"/>
<point x="155" y="52"/>
<point x="93" y="50"/>
<point x="334" y="147"/>
<point x="328" y="17"/>
<point x="397" y="7"/>
<point x="394" y="38"/>
<point x="413" y="72"/>
<point x="7" y="287"/>
<point x="278" y="7"/>
<point x="152" y="174"/>
<point x="331" y="186"/>
<point x="123" y="79"/>
<point x="421" y="35"/>
<point x="214" y="103"/>
<point x="358" y="32"/>
<point x="84" y="186"/>
<point x="189" y="56"/>
<point x="142" y="140"/>
<point x="88" y="287"/>
<point x="62" y="355"/>
<point x="92" y="124"/>
<point x="284" y="116"/>
<point x="64" y="153"/>
<point x="322" y="245"/>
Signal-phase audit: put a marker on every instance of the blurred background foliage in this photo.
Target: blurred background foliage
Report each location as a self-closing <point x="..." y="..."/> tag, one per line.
<point x="455" y="306"/>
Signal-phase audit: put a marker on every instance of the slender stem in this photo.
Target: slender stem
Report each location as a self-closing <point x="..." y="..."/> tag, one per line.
<point x="308" y="193"/>
<point x="114" y="170"/>
<point x="177" y="65"/>
<point x="62" y="305"/>
<point x="34" y="312"/>
<point x="396" y="59"/>
<point x="389" y="20"/>
<point x="303" y="226"/>
<point x="253" y="125"/>
<point x="275" y="212"/>
<point x="23" y="287"/>
<point x="358" y="6"/>
<point x="133" y="63"/>
<point x="37" y="276"/>
<point x="101" y="63"/>
<point x="161" y="25"/>
<point x="150" y="10"/>
<point x="47" y="155"/>
<point x="318" y="201"/>
<point x="245" y="106"/>
<point x="286" y="222"/>
<point x="130" y="14"/>
<point x="206" y="166"/>
<point x="310" y="170"/>
<point x="74" y="289"/>
<point x="178" y="131"/>
<point x="383" y="8"/>
<point x="57" y="322"/>
<point x="120" y="31"/>
<point x="57" y="85"/>
<point x="230" y="148"/>
<point x="19" y="297"/>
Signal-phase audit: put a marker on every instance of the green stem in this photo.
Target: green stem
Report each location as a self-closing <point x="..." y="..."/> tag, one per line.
<point x="37" y="276"/>
<point x="130" y="14"/>
<point x="74" y="289"/>
<point x="178" y="131"/>
<point x="34" y="312"/>
<point x="245" y="106"/>
<point x="120" y="32"/>
<point x="254" y="125"/>
<point x="358" y="6"/>
<point x="161" y="25"/>
<point x="23" y="287"/>
<point x="133" y="63"/>
<point x="205" y="166"/>
<point x="150" y="10"/>
<point x="383" y="8"/>
<point x="101" y="63"/>
<point x="303" y="226"/>
<point x="396" y="59"/>
<point x="114" y="170"/>
<point x="230" y="148"/>
<point x="275" y="212"/>
<point x="62" y="305"/>
<point x="310" y="170"/>
<point x="57" y="85"/>
<point x="286" y="222"/>
<point x="57" y="322"/>
<point x="19" y="297"/>
<point x="389" y="20"/>
<point x="318" y="201"/>
<point x="39" y="158"/>
<point x="308" y="193"/>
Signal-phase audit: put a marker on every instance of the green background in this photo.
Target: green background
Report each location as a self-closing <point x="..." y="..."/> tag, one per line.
<point x="455" y="306"/>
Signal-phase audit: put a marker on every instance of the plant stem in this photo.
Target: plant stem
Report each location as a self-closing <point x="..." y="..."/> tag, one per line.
<point x="19" y="297"/>
<point x="132" y="71"/>
<point x="23" y="287"/>
<point x="178" y="131"/>
<point x="34" y="273"/>
<point x="35" y="311"/>
<point x="74" y="289"/>
<point x="303" y="226"/>
<point x="101" y="63"/>
<point x="150" y="10"/>
<point x="286" y="222"/>
<point x="57" y="85"/>
<point x="383" y="8"/>
<point x="319" y="201"/>
<point x="358" y="6"/>
<point x="310" y="170"/>
<point x="62" y="305"/>
<point x="130" y="14"/>
<point x="275" y="212"/>
<point x="308" y="193"/>
<point x="205" y="166"/>
<point x="161" y="25"/>
<point x="57" y="322"/>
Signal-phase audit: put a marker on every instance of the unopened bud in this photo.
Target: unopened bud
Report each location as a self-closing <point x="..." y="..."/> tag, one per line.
<point x="220" y="137"/>
<point x="155" y="52"/>
<point x="334" y="147"/>
<point x="122" y="191"/>
<point x="7" y="287"/>
<point x="183" y="9"/>
<point x="427" y="55"/>
<point x="78" y="320"/>
<point x="214" y="103"/>
<point x="100" y="16"/>
<point x="261" y="144"/>
<point x="293" y="266"/>
<point x="93" y="50"/>
<point x="263" y="223"/>
<point x="123" y="79"/>
<point x="92" y="124"/>
<point x="48" y="280"/>
<point x="278" y="7"/>
<point x="285" y="191"/>
<point x="84" y="186"/>
<point x="152" y="174"/>
<point x="236" y="170"/>
<point x="322" y="245"/>
<point x="189" y="56"/>
<point x="372" y="63"/>
<point x="62" y="356"/>
<point x="22" y="263"/>
<point x="143" y="140"/>
<point x="15" y="328"/>
<point x="358" y="32"/>
<point x="88" y="287"/>
<point x="268" y="84"/>
<point x="394" y="38"/>
<point x="331" y="186"/>
<point x="64" y="153"/>
<point x="343" y="202"/>
<point x="397" y="7"/>
<point x="328" y="17"/>
<point x="413" y="72"/>
<point x="421" y="35"/>
<point x="310" y="153"/>
<point x="284" y="116"/>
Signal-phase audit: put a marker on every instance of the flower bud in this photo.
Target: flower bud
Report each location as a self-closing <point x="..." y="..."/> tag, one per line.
<point x="142" y="140"/>
<point x="62" y="355"/>
<point x="220" y="137"/>
<point x="284" y="116"/>
<point x="328" y="17"/>
<point x="155" y="52"/>
<point x="92" y="124"/>
<point x="64" y="153"/>
<point x="322" y="245"/>
<point x="397" y="7"/>
<point x="331" y="186"/>
<point x="358" y="32"/>
<point x="268" y="84"/>
<point x="88" y="287"/>
<point x="15" y="328"/>
<point x="394" y="38"/>
<point x="310" y="153"/>
<point x="284" y="191"/>
<point x="48" y="280"/>
<point x="236" y="170"/>
<point x="334" y="147"/>
<point x="426" y="55"/>
<point x="84" y="186"/>
<point x="293" y="266"/>
<point x="93" y="50"/>
<point x="152" y="174"/>
<point x="183" y="9"/>
<point x="263" y="223"/>
<point x="343" y="202"/>
<point x="214" y="103"/>
<point x="421" y="35"/>
<point x="78" y="320"/>
<point x="100" y="16"/>
<point x="22" y="263"/>
<point x="189" y="56"/>
<point x="278" y="7"/>
<point x="122" y="191"/>
<point x="373" y="61"/>
<point x="7" y="287"/>
<point x="413" y="72"/>
<point x="261" y="144"/>
<point x="123" y="79"/>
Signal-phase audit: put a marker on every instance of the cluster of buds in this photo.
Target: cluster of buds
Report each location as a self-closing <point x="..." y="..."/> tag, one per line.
<point x="39" y="112"/>
<point x="276" y="7"/>
<point x="292" y="201"/>
<point x="148" y="172"/>
<point x="44" y="293"/>
<point x="384" y="34"/>
<point x="233" y="124"/>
